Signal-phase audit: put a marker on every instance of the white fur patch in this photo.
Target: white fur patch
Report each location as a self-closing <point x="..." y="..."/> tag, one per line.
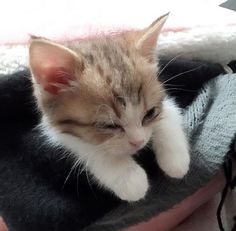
<point x="169" y="142"/>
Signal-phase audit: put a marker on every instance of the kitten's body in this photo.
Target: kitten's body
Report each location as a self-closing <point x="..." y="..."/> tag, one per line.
<point x="102" y="101"/>
<point x="116" y="170"/>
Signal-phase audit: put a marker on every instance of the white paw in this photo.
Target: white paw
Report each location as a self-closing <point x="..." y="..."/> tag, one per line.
<point x="132" y="185"/>
<point x="175" y="166"/>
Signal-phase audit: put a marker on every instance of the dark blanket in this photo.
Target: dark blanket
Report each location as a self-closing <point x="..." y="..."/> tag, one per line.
<point x="34" y="192"/>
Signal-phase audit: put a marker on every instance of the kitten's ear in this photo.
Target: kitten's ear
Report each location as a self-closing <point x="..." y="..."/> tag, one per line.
<point x="147" y="41"/>
<point x="52" y="65"/>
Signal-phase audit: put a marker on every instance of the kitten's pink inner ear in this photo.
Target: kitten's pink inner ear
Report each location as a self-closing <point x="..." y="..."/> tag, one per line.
<point x="52" y="65"/>
<point x="147" y="42"/>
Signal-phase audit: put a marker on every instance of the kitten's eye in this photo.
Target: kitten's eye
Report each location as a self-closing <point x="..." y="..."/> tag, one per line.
<point x="151" y="114"/>
<point x="112" y="126"/>
<point x="109" y="126"/>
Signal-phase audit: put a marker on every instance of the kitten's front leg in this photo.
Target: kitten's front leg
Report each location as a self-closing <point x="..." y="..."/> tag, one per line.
<point x="170" y="143"/>
<point x="121" y="174"/>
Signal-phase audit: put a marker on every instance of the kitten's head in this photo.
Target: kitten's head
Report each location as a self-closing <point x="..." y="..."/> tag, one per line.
<point x="103" y="91"/>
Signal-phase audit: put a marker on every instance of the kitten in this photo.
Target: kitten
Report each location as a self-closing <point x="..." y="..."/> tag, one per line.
<point x="101" y="100"/>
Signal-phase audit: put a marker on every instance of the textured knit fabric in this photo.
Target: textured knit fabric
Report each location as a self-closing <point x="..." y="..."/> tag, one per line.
<point x="211" y="120"/>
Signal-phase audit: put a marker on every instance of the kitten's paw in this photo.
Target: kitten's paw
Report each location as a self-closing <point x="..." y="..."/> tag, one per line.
<point x="132" y="185"/>
<point x="177" y="166"/>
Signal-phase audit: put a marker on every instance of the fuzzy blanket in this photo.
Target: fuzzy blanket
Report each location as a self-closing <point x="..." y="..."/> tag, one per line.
<point x="209" y="113"/>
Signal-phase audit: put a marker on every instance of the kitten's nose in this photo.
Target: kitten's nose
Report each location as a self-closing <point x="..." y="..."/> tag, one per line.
<point x="136" y="143"/>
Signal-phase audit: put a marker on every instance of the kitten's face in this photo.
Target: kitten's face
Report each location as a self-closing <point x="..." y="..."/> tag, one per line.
<point x="103" y="91"/>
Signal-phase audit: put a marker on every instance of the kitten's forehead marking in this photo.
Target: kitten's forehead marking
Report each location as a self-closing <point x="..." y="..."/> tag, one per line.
<point x="109" y="56"/>
<point x="121" y="100"/>
<point x="132" y="115"/>
<point x="126" y="102"/>
<point x="139" y="93"/>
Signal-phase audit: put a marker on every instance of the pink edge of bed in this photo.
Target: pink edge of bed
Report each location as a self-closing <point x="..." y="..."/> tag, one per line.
<point x="171" y="218"/>
<point x="2" y="225"/>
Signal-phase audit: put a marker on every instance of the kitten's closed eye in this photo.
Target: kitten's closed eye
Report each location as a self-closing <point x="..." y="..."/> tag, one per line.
<point x="150" y="115"/>
<point x="111" y="126"/>
<point x="71" y="122"/>
<point x="100" y="125"/>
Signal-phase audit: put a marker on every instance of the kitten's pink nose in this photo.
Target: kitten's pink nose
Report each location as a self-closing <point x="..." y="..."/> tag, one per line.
<point x="136" y="143"/>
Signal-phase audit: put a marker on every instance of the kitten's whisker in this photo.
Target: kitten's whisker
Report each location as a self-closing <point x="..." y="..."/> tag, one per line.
<point x="174" y="85"/>
<point x="172" y="60"/>
<point x="81" y="169"/>
<point x="88" y="179"/>
<point x="73" y="168"/>
<point x="182" y="73"/>
<point x="180" y="89"/>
